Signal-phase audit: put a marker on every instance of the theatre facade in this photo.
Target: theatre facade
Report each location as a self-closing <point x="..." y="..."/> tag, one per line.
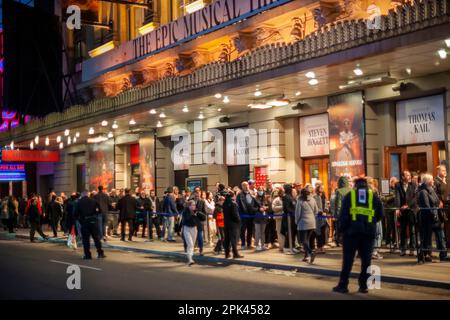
<point x="291" y="91"/>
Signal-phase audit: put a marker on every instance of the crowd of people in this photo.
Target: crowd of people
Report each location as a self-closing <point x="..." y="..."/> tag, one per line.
<point x="293" y="218"/>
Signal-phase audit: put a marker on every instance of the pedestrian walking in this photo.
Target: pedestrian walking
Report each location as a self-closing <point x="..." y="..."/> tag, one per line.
<point x="86" y="211"/>
<point x="306" y="211"/>
<point x="192" y="221"/>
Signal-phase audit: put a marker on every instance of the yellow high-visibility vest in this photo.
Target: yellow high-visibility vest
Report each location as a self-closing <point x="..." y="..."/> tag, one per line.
<point x="355" y="210"/>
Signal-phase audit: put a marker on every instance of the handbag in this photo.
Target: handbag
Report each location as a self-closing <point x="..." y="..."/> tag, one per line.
<point x="72" y="239"/>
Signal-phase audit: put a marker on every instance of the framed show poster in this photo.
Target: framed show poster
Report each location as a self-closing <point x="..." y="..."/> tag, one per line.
<point x="260" y="173"/>
<point x="346" y="125"/>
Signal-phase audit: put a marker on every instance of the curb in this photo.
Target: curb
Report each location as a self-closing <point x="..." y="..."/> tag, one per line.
<point x="265" y="265"/>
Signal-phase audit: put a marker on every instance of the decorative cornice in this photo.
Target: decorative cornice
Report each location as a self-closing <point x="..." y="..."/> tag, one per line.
<point x="331" y="38"/>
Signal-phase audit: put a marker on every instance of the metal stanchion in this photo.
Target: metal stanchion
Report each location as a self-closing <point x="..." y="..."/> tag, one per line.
<point x="290" y="233"/>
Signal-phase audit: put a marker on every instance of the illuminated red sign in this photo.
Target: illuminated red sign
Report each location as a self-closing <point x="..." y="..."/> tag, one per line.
<point x="30" y="156"/>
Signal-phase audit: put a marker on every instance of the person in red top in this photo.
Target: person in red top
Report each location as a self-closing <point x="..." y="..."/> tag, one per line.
<point x="34" y="212"/>
<point x="220" y="224"/>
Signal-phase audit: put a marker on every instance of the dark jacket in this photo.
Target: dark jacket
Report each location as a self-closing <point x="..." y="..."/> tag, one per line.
<point x="169" y="205"/>
<point x="243" y="207"/>
<point x="406" y="198"/>
<point x="231" y="214"/>
<point x="33" y="213"/>
<point x="193" y="220"/>
<point x="127" y="207"/>
<point x="86" y="210"/>
<point x="361" y="225"/>
<point x="427" y="198"/>
<point x="145" y="203"/>
<point x="342" y="190"/>
<point x="157" y="205"/>
<point x="54" y="211"/>
<point x="104" y="202"/>
<point x="442" y="190"/>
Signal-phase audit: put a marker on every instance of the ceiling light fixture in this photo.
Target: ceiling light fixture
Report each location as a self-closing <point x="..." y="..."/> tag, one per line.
<point x="278" y="102"/>
<point x="201" y="116"/>
<point x="61" y="145"/>
<point x="110" y="135"/>
<point x="162" y="115"/>
<point x="47" y="141"/>
<point x="219" y="109"/>
<point x="11" y="145"/>
<point x="447" y="43"/>
<point x="408" y="71"/>
<point x="66" y="132"/>
<point x="185" y="108"/>
<point x="132" y="122"/>
<point x="36" y="140"/>
<point x="159" y="124"/>
<point x="104" y="123"/>
<point x="313" y="82"/>
<point x="442" y="53"/>
<point x="97" y="139"/>
<point x="77" y="135"/>
<point x="31" y="145"/>
<point x="153" y="111"/>
<point x="69" y="141"/>
<point x="91" y="130"/>
<point x="298" y="93"/>
<point x="58" y="139"/>
<point x="260" y="106"/>
<point x="226" y="99"/>
<point x="358" y="71"/>
<point x="218" y="95"/>
<point x="258" y="93"/>
<point x="75" y="140"/>
<point x="310" y="75"/>
<point x="115" y="125"/>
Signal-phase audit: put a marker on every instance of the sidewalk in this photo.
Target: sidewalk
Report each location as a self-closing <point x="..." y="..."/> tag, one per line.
<point x="394" y="269"/>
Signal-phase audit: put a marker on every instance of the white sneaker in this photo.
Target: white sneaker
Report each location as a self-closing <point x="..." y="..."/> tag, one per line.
<point x="295" y="251"/>
<point x="258" y="248"/>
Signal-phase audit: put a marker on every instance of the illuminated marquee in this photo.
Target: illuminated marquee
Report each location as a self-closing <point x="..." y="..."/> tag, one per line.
<point x="12" y="172"/>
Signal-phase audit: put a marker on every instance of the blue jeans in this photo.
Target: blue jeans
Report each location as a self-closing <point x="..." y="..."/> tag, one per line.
<point x="169" y="223"/>
<point x="200" y="239"/>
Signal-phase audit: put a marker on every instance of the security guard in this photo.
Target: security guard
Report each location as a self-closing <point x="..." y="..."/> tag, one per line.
<point x="360" y="211"/>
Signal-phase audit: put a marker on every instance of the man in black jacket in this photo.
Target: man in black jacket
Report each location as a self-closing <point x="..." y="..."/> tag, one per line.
<point x="361" y="210"/>
<point x="104" y="202"/>
<point x="144" y="207"/>
<point x="127" y="207"/>
<point x="86" y="211"/>
<point x="248" y="207"/>
<point x="442" y="187"/>
<point x="406" y="200"/>
<point x="154" y="218"/>
<point x="231" y="226"/>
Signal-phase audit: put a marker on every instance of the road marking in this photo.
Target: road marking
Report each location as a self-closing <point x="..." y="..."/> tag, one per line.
<point x="81" y="266"/>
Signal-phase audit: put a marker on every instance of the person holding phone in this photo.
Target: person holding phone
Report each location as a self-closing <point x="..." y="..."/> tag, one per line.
<point x="192" y="220"/>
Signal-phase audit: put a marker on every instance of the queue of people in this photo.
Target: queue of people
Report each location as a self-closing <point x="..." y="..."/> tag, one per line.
<point x="293" y="218"/>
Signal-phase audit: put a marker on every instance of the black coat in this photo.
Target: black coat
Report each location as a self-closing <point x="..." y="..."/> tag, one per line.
<point x="33" y="213"/>
<point x="192" y="220"/>
<point x="54" y="211"/>
<point x="428" y="198"/>
<point x="231" y="216"/>
<point x="86" y="210"/>
<point x="127" y="207"/>
<point x="244" y="208"/>
<point x="442" y="190"/>
<point x="408" y="198"/>
<point x="104" y="202"/>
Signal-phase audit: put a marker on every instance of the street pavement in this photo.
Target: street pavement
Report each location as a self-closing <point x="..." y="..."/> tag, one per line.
<point x="39" y="271"/>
